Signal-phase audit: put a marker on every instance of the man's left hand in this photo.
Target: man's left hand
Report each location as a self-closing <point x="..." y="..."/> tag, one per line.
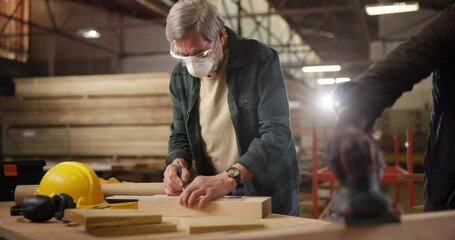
<point x="203" y="189"/>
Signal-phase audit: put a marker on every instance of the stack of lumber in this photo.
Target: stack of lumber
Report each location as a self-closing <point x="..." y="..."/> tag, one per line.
<point x="124" y="115"/>
<point x="223" y="214"/>
<point x="121" y="116"/>
<point x="118" y="222"/>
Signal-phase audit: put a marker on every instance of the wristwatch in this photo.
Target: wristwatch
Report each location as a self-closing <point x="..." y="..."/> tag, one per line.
<point x="234" y="173"/>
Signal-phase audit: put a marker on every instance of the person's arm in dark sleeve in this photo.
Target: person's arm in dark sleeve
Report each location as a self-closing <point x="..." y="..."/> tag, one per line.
<point x="381" y="85"/>
<point x="274" y="125"/>
<point x="179" y="146"/>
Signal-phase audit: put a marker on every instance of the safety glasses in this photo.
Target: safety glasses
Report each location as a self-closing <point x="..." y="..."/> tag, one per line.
<point x="200" y="56"/>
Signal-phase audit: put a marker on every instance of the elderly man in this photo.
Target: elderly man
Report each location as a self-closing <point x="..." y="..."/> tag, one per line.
<point x="231" y="114"/>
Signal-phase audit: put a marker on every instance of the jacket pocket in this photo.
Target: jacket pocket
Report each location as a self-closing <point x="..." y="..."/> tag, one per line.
<point x="248" y="117"/>
<point x="248" y="99"/>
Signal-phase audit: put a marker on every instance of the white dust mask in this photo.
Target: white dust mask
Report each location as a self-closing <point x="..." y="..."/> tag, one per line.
<point x="200" y="67"/>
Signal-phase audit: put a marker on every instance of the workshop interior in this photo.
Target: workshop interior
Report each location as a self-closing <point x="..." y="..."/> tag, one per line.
<point x="86" y="113"/>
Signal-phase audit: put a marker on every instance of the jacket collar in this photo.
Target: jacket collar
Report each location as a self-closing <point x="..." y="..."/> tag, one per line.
<point x="236" y="58"/>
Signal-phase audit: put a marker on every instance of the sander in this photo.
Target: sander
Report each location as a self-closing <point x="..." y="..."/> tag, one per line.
<point x="358" y="165"/>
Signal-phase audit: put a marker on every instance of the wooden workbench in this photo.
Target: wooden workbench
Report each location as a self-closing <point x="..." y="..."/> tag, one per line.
<point x="437" y="225"/>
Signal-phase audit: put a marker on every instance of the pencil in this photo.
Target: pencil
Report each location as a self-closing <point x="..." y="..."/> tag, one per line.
<point x="179" y="171"/>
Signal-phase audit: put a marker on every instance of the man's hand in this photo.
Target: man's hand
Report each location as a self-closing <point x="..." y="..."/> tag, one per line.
<point x="351" y="153"/>
<point x="350" y="117"/>
<point x="173" y="185"/>
<point x="205" y="188"/>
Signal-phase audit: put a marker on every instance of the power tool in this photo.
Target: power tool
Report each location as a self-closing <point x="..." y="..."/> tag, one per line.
<point x="358" y="165"/>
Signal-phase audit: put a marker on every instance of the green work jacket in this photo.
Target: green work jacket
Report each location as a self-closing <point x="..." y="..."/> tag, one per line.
<point x="259" y="109"/>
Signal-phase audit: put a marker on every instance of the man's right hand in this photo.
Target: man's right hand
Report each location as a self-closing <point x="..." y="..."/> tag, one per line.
<point x="350" y="152"/>
<point x="350" y="117"/>
<point x="173" y="185"/>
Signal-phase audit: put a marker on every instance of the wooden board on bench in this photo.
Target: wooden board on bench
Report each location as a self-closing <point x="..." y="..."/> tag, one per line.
<point x="110" y="217"/>
<point x="168" y="206"/>
<point x="217" y="224"/>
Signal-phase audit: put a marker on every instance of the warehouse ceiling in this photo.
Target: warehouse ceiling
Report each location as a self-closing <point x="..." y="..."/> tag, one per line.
<point x="146" y="9"/>
<point x="335" y="31"/>
<point x="339" y="31"/>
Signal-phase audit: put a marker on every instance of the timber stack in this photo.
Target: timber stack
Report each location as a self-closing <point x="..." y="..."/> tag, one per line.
<point x="121" y="116"/>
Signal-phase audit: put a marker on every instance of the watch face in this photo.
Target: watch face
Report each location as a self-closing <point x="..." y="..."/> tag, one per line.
<point x="233" y="172"/>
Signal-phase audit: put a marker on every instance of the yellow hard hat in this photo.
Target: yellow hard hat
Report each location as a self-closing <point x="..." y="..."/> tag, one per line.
<point x="75" y="179"/>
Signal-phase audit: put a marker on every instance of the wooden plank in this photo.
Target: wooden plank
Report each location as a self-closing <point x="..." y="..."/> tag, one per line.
<point x="86" y="103"/>
<point x="152" y="149"/>
<point x="39" y="135"/>
<point x="217" y="224"/>
<point x="109" y="189"/>
<point x="255" y="207"/>
<point x="80" y="141"/>
<point x="131" y="229"/>
<point x="94" y="85"/>
<point x="110" y="217"/>
<point x="435" y="225"/>
<point x="144" y="189"/>
<point x="135" y="164"/>
<point x="88" y="117"/>
<point x="432" y="225"/>
<point x="87" y="141"/>
<point x="89" y="134"/>
<point x="123" y="133"/>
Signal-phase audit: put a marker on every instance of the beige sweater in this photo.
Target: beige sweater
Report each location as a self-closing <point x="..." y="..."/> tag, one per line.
<point x="217" y="130"/>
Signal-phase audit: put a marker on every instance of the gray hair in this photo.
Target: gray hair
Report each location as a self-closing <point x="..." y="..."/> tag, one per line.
<point x="188" y="16"/>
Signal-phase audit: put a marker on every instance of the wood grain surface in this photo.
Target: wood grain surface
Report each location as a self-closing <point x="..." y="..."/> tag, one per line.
<point x="254" y="207"/>
<point x="129" y="230"/>
<point x="220" y="224"/>
<point x="110" y="217"/>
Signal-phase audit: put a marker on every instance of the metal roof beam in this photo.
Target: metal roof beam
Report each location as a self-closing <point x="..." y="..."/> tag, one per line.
<point x="154" y="7"/>
<point x="9" y="17"/>
<point x="290" y="12"/>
